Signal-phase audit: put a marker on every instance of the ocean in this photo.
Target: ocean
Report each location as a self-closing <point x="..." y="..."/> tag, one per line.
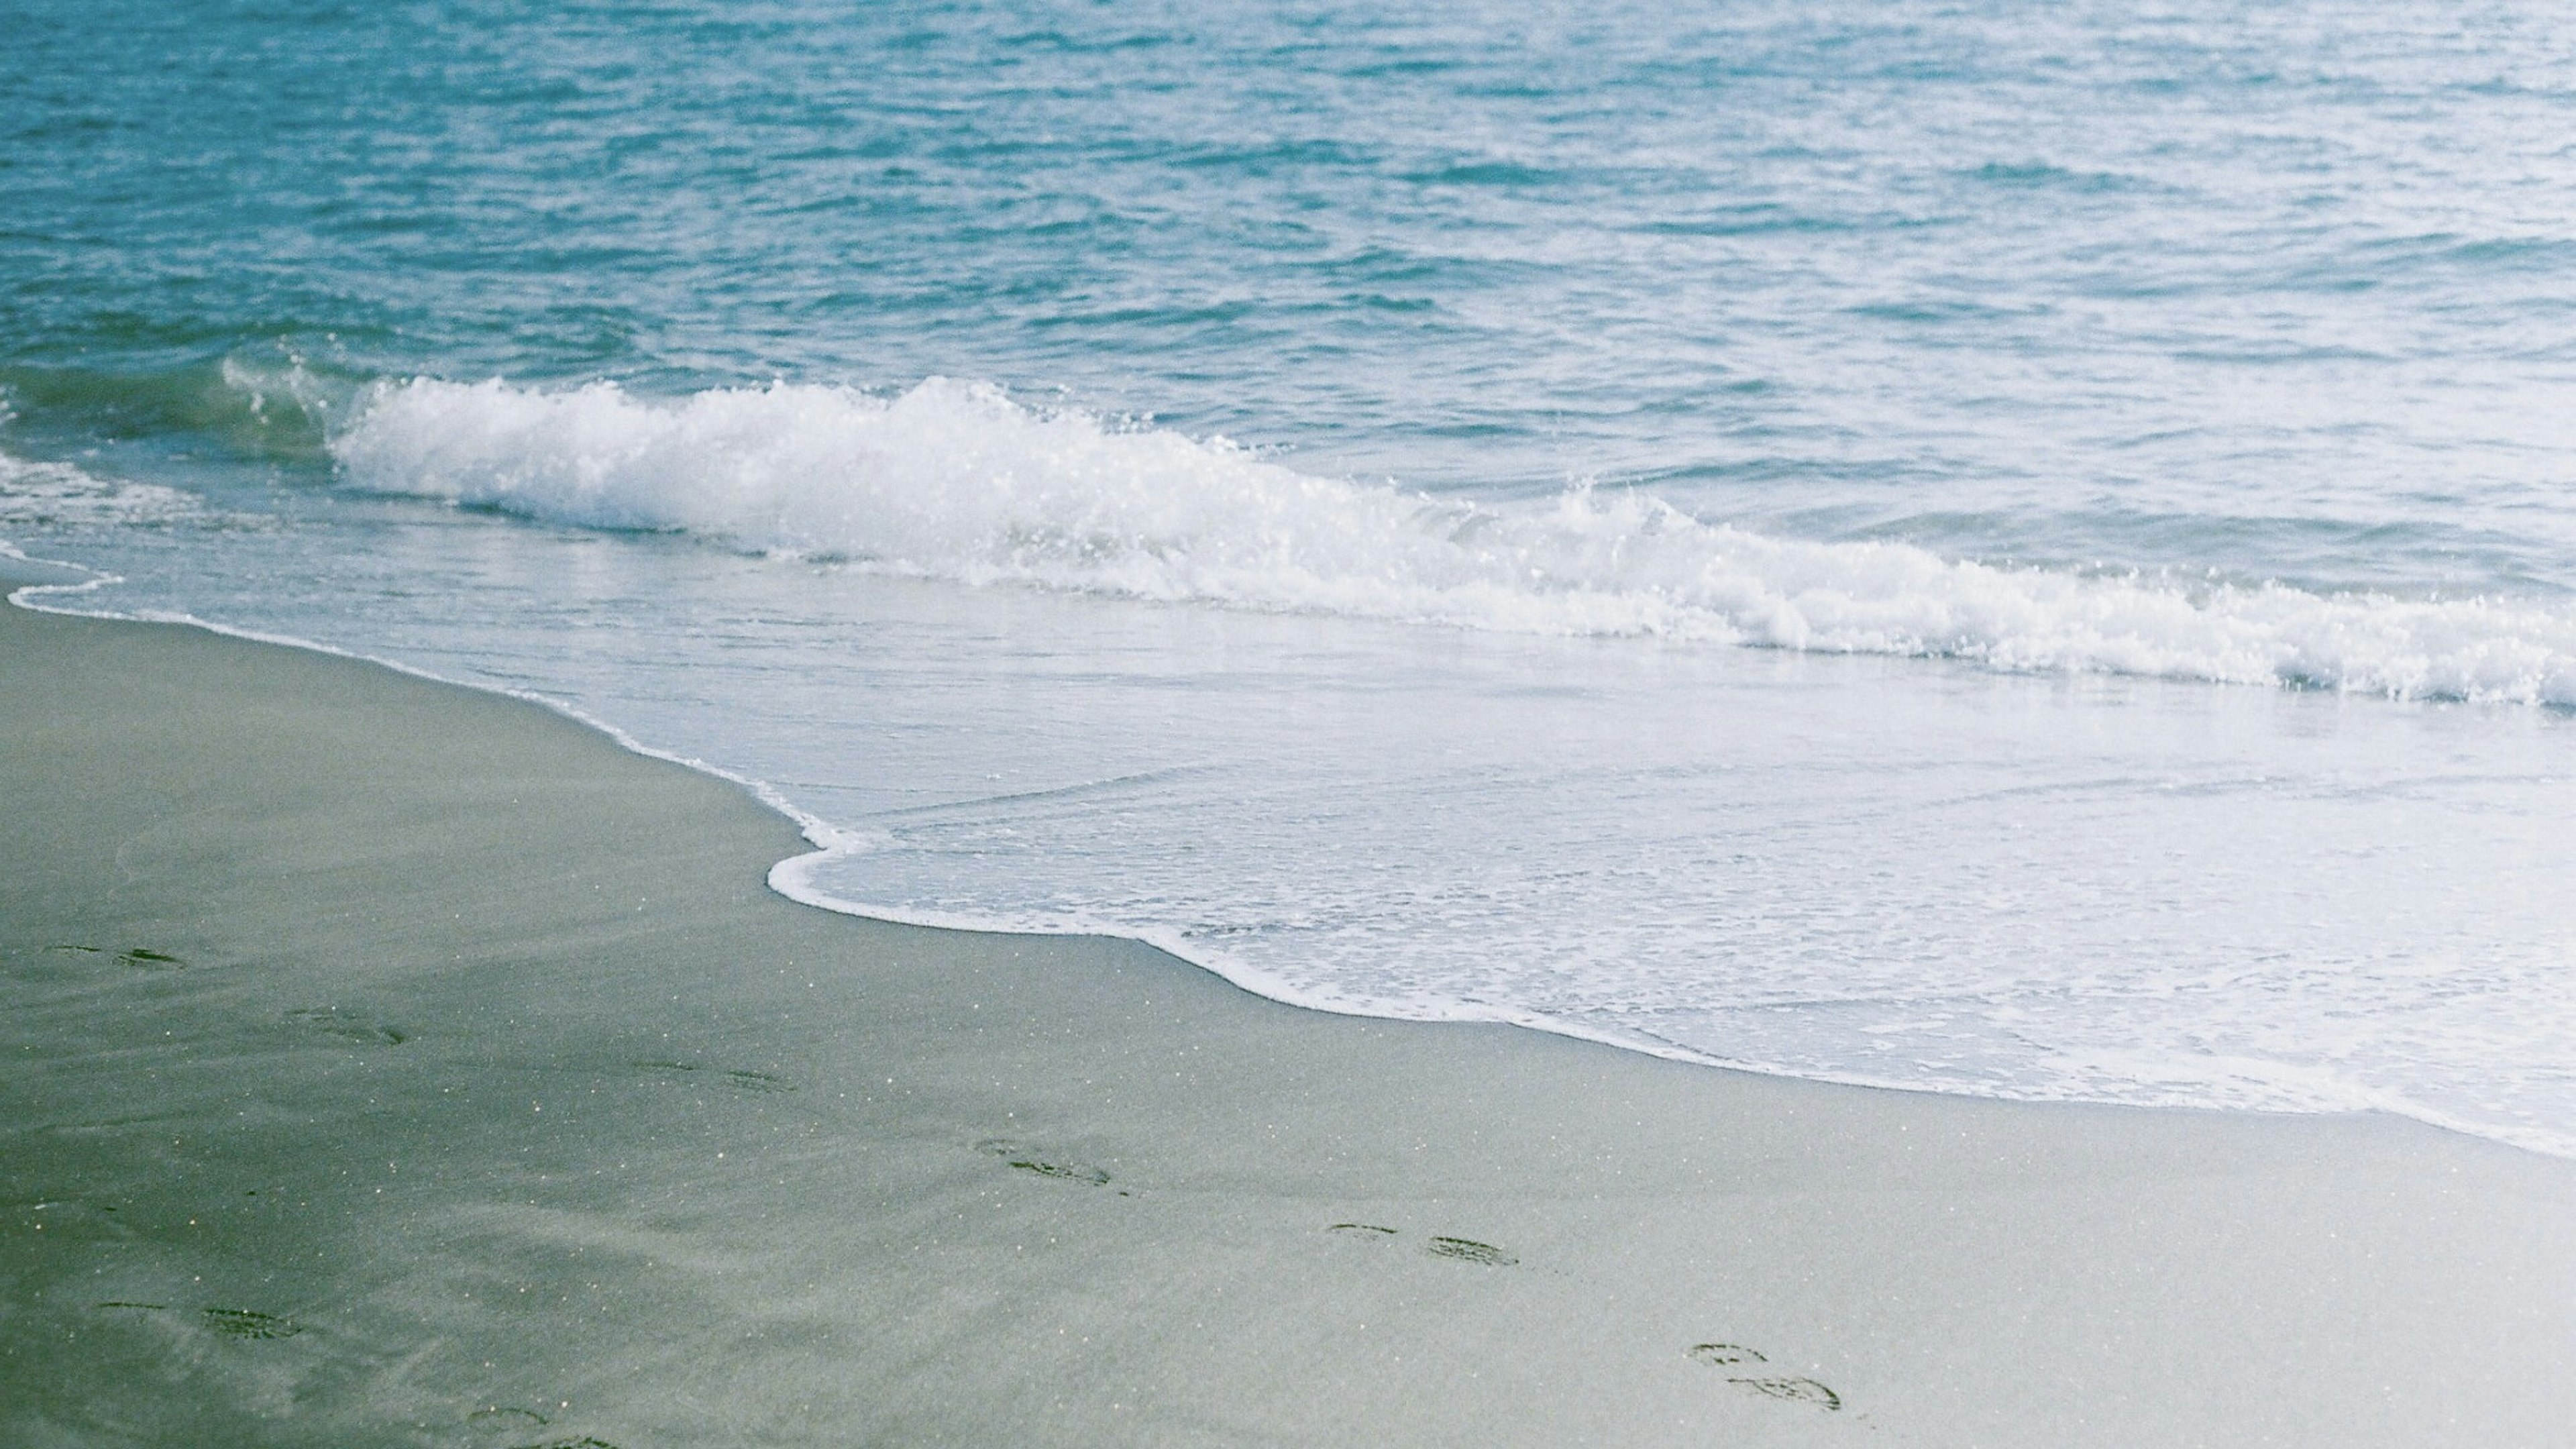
<point x="2022" y="550"/>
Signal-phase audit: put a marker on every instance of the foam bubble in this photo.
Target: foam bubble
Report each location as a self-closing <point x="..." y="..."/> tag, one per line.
<point x="47" y="494"/>
<point x="955" y="481"/>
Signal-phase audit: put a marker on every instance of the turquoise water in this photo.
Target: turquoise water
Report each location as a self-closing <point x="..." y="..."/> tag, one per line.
<point x="2011" y="549"/>
<point x="2280" y="294"/>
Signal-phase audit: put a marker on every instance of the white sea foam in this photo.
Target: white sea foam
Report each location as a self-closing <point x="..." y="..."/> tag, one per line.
<point x="46" y="494"/>
<point x="956" y="481"/>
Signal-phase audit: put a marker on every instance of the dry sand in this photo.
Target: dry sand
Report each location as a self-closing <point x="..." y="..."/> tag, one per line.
<point x="388" y="1063"/>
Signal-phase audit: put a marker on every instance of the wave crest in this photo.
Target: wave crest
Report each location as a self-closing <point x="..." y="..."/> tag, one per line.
<point x="953" y="480"/>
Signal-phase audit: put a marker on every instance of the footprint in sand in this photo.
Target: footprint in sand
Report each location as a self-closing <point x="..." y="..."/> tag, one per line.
<point x="249" y="1323"/>
<point x="142" y="957"/>
<point x="230" y="1322"/>
<point x="347" y="1026"/>
<point x="1026" y="1159"/>
<point x="1462" y="1250"/>
<point x="1468" y="1250"/>
<point x="1795" y="1391"/>
<point x="741" y="1080"/>
<point x="1787" y="1390"/>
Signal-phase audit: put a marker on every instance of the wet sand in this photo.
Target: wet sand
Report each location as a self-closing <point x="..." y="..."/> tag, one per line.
<point x="389" y="1063"/>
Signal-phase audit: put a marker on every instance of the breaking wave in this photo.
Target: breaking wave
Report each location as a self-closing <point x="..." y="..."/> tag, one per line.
<point x="954" y="480"/>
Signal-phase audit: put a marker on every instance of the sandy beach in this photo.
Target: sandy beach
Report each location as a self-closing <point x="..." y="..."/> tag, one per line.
<point x="392" y="1064"/>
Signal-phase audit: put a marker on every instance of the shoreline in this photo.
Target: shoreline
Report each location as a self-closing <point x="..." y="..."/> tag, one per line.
<point x="790" y="877"/>
<point x="387" y="917"/>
